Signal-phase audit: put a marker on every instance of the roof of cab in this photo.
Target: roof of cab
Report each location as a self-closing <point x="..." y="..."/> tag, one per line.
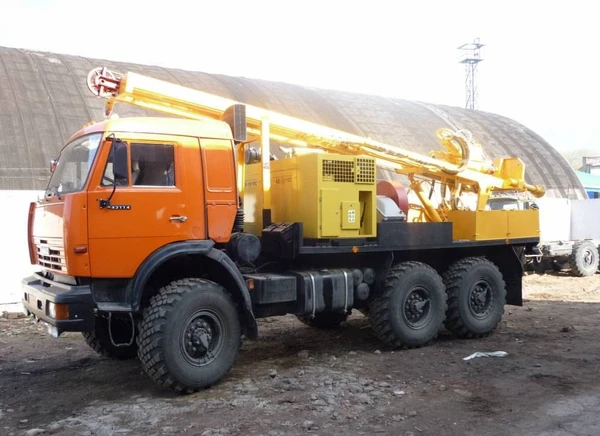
<point x="160" y="126"/>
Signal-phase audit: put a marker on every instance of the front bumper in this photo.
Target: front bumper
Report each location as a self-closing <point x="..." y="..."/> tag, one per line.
<point x="39" y="293"/>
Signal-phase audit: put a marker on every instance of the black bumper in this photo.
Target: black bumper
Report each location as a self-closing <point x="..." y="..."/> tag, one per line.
<point x="39" y="292"/>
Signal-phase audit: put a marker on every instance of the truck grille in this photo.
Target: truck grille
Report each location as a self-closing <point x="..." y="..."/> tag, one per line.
<point x="51" y="254"/>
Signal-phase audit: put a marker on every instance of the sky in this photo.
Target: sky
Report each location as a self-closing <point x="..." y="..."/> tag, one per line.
<point x="540" y="66"/>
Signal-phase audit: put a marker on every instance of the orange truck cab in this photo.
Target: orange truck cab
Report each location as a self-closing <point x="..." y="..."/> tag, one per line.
<point x="90" y="225"/>
<point x="164" y="239"/>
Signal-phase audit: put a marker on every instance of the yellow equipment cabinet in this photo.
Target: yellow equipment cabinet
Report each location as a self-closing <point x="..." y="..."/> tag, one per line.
<point x="332" y="195"/>
<point x="494" y="224"/>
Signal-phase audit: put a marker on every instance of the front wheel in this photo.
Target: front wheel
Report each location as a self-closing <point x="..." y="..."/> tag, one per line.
<point x="189" y="335"/>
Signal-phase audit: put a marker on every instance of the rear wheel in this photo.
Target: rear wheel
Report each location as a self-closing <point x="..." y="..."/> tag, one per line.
<point x="121" y="329"/>
<point x="476" y="297"/>
<point x="324" y="320"/>
<point x="584" y="259"/>
<point x="410" y="310"/>
<point x="190" y="335"/>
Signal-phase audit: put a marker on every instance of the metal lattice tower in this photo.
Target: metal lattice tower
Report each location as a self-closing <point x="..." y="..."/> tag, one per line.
<point x="471" y="56"/>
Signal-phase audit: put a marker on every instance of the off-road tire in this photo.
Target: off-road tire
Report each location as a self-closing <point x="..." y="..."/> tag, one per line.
<point x="390" y="312"/>
<point x="467" y="281"/>
<point x="176" y="311"/>
<point x="584" y="259"/>
<point x="324" y="320"/>
<point x="99" y="339"/>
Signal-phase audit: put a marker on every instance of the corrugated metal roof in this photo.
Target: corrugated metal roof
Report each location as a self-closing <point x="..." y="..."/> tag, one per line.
<point x="591" y="182"/>
<point x="44" y="99"/>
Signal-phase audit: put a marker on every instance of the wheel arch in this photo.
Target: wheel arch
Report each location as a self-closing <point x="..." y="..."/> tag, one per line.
<point x="191" y="259"/>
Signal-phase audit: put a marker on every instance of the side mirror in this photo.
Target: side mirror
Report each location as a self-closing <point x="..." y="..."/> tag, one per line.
<point x="120" y="160"/>
<point x="53" y="164"/>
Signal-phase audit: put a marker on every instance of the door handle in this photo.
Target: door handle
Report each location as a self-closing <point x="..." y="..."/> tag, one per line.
<point x="179" y="218"/>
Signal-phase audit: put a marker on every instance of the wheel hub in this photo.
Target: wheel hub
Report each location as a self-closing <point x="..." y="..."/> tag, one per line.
<point x="588" y="258"/>
<point x="200" y="335"/>
<point x="416" y="307"/>
<point x="202" y="338"/>
<point x="480" y="299"/>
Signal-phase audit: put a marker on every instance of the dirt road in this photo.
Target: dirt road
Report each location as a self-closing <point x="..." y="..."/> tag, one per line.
<point x="299" y="381"/>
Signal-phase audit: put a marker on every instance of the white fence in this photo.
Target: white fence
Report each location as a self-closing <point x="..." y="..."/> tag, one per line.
<point x="568" y="220"/>
<point x="14" y="255"/>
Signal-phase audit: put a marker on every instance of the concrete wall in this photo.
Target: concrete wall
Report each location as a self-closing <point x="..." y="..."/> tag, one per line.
<point x="14" y="255"/>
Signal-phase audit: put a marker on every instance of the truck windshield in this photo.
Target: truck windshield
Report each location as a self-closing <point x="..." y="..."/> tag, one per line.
<point x="74" y="165"/>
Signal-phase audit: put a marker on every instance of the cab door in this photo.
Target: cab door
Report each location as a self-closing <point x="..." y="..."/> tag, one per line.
<point x="220" y="187"/>
<point x="155" y="206"/>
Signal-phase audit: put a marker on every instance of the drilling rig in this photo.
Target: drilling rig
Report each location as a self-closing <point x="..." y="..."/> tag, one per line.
<point x="166" y="238"/>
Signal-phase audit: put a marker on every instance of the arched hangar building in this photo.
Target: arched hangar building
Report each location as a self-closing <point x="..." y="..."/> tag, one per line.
<point x="44" y="99"/>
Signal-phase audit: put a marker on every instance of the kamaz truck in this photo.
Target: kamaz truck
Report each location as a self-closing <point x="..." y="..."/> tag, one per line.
<point x="165" y="238"/>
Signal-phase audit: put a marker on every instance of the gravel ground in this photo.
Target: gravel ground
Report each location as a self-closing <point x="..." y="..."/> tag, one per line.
<point x="300" y="381"/>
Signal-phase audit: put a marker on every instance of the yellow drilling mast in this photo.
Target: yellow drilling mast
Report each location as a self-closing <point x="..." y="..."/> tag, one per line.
<point x="461" y="168"/>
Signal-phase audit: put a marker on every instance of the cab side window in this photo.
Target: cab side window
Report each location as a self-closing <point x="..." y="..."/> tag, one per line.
<point x="109" y="176"/>
<point x="152" y="164"/>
